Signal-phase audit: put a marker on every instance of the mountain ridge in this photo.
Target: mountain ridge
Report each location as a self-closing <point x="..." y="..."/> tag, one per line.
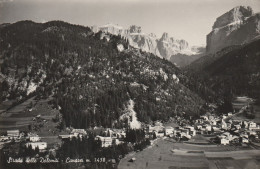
<point x="237" y="26"/>
<point x="164" y="47"/>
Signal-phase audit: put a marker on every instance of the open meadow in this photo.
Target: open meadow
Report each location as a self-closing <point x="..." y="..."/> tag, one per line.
<point x="167" y="154"/>
<point x="23" y="117"/>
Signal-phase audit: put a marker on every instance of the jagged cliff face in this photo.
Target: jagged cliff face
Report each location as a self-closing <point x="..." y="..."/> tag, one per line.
<point x="169" y="46"/>
<point x="147" y="43"/>
<point x="164" y="47"/>
<point x="111" y="28"/>
<point x="238" y="26"/>
<point x="135" y="29"/>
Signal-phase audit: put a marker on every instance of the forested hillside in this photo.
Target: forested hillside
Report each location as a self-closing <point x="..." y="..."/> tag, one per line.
<point x="233" y="71"/>
<point x="90" y="77"/>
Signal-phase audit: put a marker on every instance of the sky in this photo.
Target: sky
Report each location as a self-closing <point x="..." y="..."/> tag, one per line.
<point x="190" y="20"/>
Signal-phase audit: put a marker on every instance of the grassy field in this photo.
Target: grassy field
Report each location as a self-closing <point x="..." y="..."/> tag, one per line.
<point x="22" y="115"/>
<point x="16" y="117"/>
<point x="166" y="154"/>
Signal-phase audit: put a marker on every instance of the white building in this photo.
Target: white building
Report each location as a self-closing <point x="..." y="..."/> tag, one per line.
<point x="118" y="142"/>
<point x="246" y="124"/>
<point x="4" y="138"/>
<point x="159" y="134"/>
<point x="40" y="145"/>
<point x="208" y="127"/>
<point x="223" y="124"/>
<point x="79" y="131"/>
<point x="252" y="126"/>
<point x="245" y="140"/>
<point x="224" y="141"/>
<point x="168" y="130"/>
<point x="105" y="141"/>
<point x="252" y="133"/>
<point x="215" y="128"/>
<point x="156" y="128"/>
<point x="32" y="134"/>
<point x="199" y="127"/>
<point x="192" y="131"/>
<point x="34" y="138"/>
<point x="13" y="133"/>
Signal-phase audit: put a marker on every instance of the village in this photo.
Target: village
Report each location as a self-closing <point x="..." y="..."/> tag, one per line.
<point x="220" y="129"/>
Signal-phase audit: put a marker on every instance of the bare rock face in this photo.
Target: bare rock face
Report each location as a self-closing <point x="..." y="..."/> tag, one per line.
<point x="235" y="27"/>
<point x="135" y="29"/>
<point x="152" y="35"/>
<point x="144" y="42"/>
<point x="169" y="46"/>
<point x="164" y="47"/>
<point x="110" y="28"/>
<point x="237" y="14"/>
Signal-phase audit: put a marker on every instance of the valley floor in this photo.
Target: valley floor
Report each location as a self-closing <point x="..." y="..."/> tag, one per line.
<point x="167" y="154"/>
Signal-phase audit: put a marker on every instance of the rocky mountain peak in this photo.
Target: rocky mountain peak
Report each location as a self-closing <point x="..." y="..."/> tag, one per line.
<point x="183" y="44"/>
<point x="114" y="29"/>
<point x="237" y="26"/>
<point x="152" y="35"/>
<point x="235" y="15"/>
<point x="164" y="46"/>
<point x="135" y="29"/>
<point x="165" y="36"/>
<point x="112" y="25"/>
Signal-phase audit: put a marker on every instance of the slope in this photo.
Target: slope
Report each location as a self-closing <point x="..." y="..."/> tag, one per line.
<point x="90" y="80"/>
<point x="234" y="70"/>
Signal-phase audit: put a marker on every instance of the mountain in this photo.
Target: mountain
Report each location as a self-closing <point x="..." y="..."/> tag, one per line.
<point x="111" y="28"/>
<point x="147" y="43"/>
<point x="183" y="60"/>
<point x="175" y="50"/>
<point x="238" y="26"/>
<point x="92" y="78"/>
<point x="234" y="70"/>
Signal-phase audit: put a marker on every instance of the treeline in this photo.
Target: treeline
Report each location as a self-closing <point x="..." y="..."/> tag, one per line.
<point x="87" y="148"/>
